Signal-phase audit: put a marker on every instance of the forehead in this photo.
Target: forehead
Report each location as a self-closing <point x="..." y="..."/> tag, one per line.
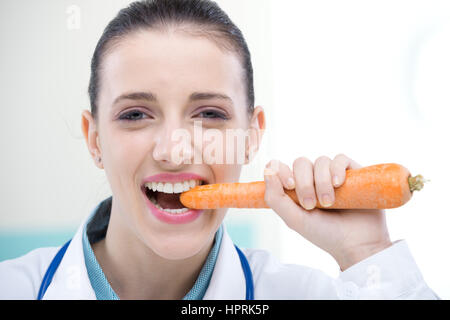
<point x="172" y="64"/>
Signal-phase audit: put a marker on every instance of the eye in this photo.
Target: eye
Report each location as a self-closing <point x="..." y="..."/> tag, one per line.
<point x="213" y="114"/>
<point x="134" y="115"/>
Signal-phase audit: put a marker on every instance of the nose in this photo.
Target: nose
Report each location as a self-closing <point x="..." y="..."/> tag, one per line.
<point x="172" y="145"/>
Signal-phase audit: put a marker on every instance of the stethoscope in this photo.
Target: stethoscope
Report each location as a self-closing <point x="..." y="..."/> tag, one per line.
<point x="51" y="270"/>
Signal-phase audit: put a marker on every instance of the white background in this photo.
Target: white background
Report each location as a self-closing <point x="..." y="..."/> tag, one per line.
<point x="370" y="79"/>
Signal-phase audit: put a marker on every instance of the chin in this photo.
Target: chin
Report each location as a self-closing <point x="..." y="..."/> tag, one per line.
<point x="179" y="250"/>
<point x="178" y="242"/>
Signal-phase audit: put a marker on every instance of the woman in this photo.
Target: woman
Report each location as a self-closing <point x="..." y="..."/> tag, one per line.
<point x="164" y="66"/>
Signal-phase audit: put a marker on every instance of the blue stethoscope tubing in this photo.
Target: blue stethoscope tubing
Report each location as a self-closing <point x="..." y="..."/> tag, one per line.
<point x="249" y="290"/>
<point x="51" y="270"/>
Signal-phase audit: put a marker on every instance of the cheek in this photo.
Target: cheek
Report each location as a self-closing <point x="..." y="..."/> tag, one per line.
<point x="227" y="146"/>
<point x="123" y="151"/>
<point x="224" y="173"/>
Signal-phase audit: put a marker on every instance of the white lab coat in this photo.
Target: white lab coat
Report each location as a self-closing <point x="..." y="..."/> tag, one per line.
<point x="389" y="274"/>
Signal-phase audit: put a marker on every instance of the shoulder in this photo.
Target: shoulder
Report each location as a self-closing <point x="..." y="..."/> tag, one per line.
<point x="20" y="278"/>
<point x="276" y="280"/>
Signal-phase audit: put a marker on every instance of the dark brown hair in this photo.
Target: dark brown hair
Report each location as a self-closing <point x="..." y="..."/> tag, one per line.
<point x="205" y="15"/>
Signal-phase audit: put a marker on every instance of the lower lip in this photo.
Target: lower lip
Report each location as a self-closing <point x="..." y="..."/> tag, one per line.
<point x="175" y="218"/>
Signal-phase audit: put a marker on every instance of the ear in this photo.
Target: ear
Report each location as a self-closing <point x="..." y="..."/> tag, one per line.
<point x="89" y="129"/>
<point x="256" y="132"/>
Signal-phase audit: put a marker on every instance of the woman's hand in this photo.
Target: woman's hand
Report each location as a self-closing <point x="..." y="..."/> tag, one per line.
<point x="348" y="235"/>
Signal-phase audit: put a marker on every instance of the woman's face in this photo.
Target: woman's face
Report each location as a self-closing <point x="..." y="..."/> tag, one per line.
<point x="185" y="79"/>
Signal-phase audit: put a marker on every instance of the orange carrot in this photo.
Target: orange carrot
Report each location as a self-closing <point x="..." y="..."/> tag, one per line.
<point x="381" y="186"/>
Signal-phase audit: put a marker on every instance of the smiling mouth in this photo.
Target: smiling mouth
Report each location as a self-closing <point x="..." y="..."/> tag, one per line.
<point x="166" y="195"/>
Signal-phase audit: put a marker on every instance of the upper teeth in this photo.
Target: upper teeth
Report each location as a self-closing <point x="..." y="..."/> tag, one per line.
<point x="169" y="187"/>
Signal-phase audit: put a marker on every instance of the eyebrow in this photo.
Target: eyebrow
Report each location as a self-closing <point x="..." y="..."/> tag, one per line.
<point x="208" y="95"/>
<point x="136" y="96"/>
<point x="148" y="96"/>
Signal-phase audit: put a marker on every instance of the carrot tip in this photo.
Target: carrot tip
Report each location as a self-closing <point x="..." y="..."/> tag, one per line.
<point x="416" y="183"/>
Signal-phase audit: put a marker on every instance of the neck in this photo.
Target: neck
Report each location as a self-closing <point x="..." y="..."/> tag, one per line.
<point x="135" y="271"/>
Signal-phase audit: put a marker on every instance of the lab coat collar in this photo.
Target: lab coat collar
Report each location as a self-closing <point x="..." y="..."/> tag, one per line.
<point x="71" y="280"/>
<point x="228" y="279"/>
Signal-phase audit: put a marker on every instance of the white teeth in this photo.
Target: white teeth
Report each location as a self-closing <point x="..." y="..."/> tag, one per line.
<point x="168" y="187"/>
<point x="176" y="210"/>
<point x="176" y="187"/>
<point x="181" y="210"/>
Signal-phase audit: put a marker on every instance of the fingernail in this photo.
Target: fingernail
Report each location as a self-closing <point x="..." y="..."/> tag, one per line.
<point x="291" y="183"/>
<point x="308" y="203"/>
<point x="336" y="181"/>
<point x="326" y="200"/>
<point x="268" y="172"/>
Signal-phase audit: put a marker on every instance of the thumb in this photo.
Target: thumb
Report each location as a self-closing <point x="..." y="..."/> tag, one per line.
<point x="275" y="197"/>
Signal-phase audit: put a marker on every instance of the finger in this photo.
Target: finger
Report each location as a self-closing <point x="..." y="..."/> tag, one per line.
<point x="338" y="167"/>
<point x="275" y="197"/>
<point x="322" y="181"/>
<point x="304" y="182"/>
<point x="284" y="172"/>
